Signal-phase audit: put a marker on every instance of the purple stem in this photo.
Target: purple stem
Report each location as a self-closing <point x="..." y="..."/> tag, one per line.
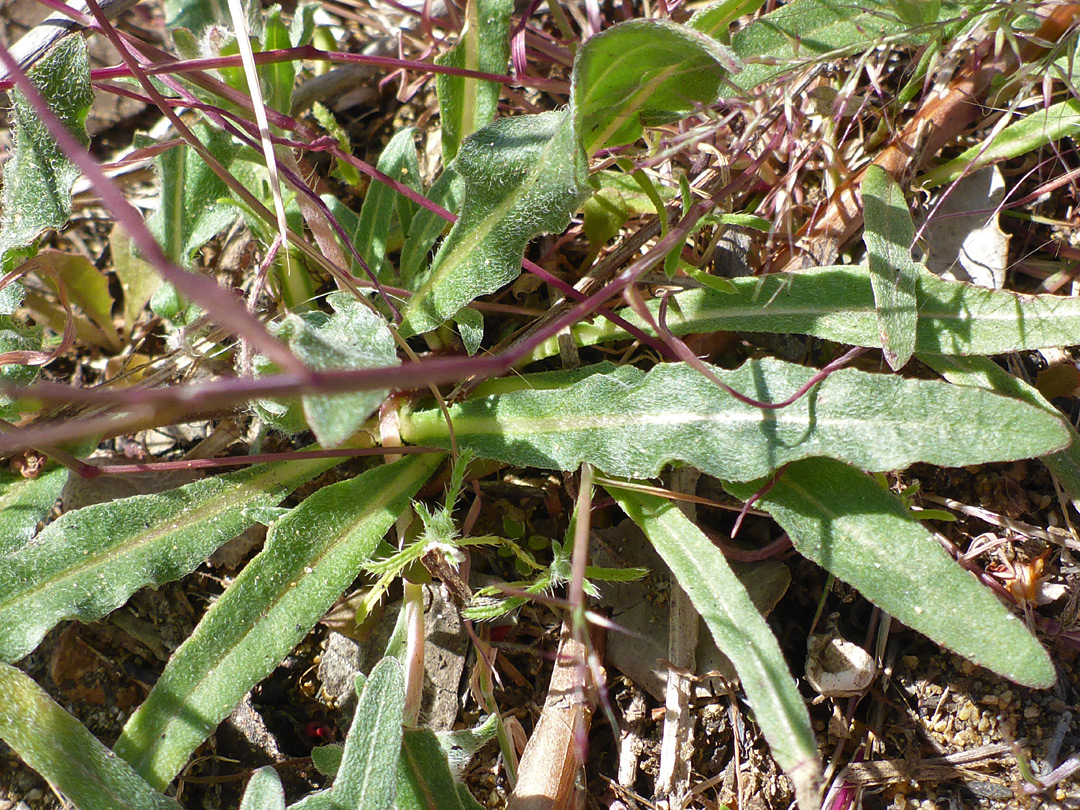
<point x="226" y="308"/>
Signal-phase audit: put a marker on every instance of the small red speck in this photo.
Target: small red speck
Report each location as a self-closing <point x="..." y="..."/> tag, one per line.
<point x="317" y="731"/>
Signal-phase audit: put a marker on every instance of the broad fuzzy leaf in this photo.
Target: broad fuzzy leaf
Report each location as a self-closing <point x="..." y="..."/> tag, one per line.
<point x="632" y="424"/>
<point x="382" y="203"/>
<point x="353" y="337"/>
<point x="845" y="522"/>
<point x="466" y="105"/>
<point x="889" y="235"/>
<point x="523" y="177"/>
<point x="424" y="781"/>
<point x="194" y="207"/>
<point x="791" y="36"/>
<point x="88" y="562"/>
<point x="263" y="791"/>
<point x="740" y="631"/>
<point x="24" y="502"/>
<point x="643" y="73"/>
<point x="61" y="749"/>
<point x="309" y="559"/>
<point x="985" y="373"/>
<point x="16" y="336"/>
<point x="38" y="178"/>
<point x="715" y="18"/>
<point x="367" y="774"/>
<point x="837" y="303"/>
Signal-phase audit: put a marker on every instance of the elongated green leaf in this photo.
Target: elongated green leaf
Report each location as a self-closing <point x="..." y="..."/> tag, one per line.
<point x="837" y="303"/>
<point x="263" y="791"/>
<point x="88" y="562"/>
<point x="632" y="424"/>
<point x="352" y="337"/>
<point x="715" y="19"/>
<point x="38" y="178"/>
<point x="1031" y="132"/>
<point x="24" y="502"/>
<point x="740" y="631"/>
<point x="846" y="523"/>
<point x="804" y="30"/>
<point x="398" y="161"/>
<point x="618" y="198"/>
<point x="643" y="73"/>
<point x="523" y="177"/>
<point x="310" y="557"/>
<point x="424" y="780"/>
<point x="61" y="749"/>
<point x="889" y="235"/>
<point x="193" y="206"/>
<point x="15" y="336"/>
<point x="426" y="226"/>
<point x="367" y="774"/>
<point x="985" y="373"/>
<point x="466" y="105"/>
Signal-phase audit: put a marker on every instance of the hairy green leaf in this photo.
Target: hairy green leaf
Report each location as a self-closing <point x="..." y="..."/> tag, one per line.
<point x="837" y="303"/>
<point x="310" y="557"/>
<point x="25" y="502"/>
<point x="353" y="337"/>
<point x="985" y="373"/>
<point x="16" y="336"/>
<point x="632" y="424"/>
<point x="523" y="177"/>
<point x="194" y="205"/>
<point x="38" y="178"/>
<point x="643" y="73"/>
<point x="1033" y="131"/>
<point x="845" y="522"/>
<point x="740" y="631"/>
<point x="618" y="198"/>
<point x="398" y="161"/>
<point x="889" y="235"/>
<point x="715" y="19"/>
<point x="424" y="779"/>
<point x="88" y="562"/>
<point x="61" y="749"/>
<point x="805" y="31"/>
<point x="426" y="226"/>
<point x="367" y="775"/>
<point x="263" y="791"/>
<point x="466" y="105"/>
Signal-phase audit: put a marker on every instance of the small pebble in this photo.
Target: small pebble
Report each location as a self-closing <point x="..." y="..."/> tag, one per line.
<point x="1031" y="712"/>
<point x="964" y="713"/>
<point x="910" y="661"/>
<point x="984" y="723"/>
<point x="967" y="667"/>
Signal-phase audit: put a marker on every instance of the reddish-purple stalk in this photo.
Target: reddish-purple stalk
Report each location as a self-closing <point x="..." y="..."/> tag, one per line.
<point x="407" y="376"/>
<point x="127" y="53"/>
<point x="324" y="144"/>
<point x="92" y="471"/>
<point x="226" y="309"/>
<point x="311" y="53"/>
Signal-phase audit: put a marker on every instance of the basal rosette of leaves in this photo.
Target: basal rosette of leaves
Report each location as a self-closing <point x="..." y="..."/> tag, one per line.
<point x="510" y="180"/>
